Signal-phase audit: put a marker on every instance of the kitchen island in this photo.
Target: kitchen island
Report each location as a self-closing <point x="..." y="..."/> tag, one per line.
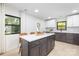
<point x="37" y="45"/>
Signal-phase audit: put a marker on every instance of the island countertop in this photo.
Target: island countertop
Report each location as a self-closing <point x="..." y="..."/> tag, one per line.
<point x="33" y="37"/>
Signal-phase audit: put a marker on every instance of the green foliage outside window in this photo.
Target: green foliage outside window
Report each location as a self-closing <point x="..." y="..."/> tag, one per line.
<point x="61" y="25"/>
<point x="12" y="24"/>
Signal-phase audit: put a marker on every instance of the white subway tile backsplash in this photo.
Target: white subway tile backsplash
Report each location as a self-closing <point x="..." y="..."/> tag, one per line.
<point x="69" y="29"/>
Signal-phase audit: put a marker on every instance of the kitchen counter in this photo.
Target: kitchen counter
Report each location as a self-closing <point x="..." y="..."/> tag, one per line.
<point x="37" y="45"/>
<point x="72" y="38"/>
<point x="67" y="32"/>
<point x="33" y="37"/>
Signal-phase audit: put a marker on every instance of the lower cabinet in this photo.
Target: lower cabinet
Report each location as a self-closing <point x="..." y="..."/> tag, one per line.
<point x="51" y="43"/>
<point x="43" y="47"/>
<point x="71" y="38"/>
<point x="24" y="48"/>
<point x="39" y="47"/>
<point x="34" y="51"/>
<point x="76" y="39"/>
<point x="24" y="51"/>
<point x="34" y="48"/>
<point x="61" y="37"/>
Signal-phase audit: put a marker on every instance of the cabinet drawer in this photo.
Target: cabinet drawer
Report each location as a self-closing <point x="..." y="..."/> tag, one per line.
<point x="76" y="39"/>
<point x="61" y="37"/>
<point x="34" y="43"/>
<point x="34" y="51"/>
<point x="76" y="35"/>
<point x="24" y="51"/>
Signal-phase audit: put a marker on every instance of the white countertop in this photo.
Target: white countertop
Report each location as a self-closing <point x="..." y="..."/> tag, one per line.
<point x="68" y="32"/>
<point x="74" y="32"/>
<point x="32" y="37"/>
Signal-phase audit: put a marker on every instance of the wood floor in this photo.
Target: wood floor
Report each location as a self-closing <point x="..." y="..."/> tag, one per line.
<point x="64" y="49"/>
<point x="61" y="49"/>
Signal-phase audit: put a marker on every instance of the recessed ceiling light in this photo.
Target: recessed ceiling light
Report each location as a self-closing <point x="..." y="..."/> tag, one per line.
<point x="36" y="10"/>
<point x="74" y="11"/>
<point x="49" y="17"/>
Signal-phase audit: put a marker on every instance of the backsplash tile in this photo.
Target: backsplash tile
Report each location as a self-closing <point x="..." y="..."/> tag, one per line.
<point x="69" y="29"/>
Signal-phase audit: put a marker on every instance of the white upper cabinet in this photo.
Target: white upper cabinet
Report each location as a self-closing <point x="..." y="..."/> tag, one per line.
<point x="51" y="23"/>
<point x="73" y="21"/>
<point x="76" y="20"/>
<point x="69" y="21"/>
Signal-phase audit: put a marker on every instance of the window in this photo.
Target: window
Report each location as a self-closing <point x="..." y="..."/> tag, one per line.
<point x="12" y="24"/>
<point x="61" y="25"/>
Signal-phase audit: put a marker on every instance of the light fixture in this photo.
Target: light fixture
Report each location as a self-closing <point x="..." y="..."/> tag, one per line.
<point x="74" y="11"/>
<point x="49" y="17"/>
<point x="36" y="10"/>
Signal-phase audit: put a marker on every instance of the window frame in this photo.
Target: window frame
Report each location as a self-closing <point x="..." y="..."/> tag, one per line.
<point x="65" y="25"/>
<point x="13" y="25"/>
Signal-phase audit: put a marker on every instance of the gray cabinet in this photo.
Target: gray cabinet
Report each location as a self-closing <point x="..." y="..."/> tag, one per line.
<point x="76" y="39"/>
<point x="51" y="43"/>
<point x="61" y="37"/>
<point x="39" y="47"/>
<point x="43" y="46"/>
<point x="34" y="48"/>
<point x="24" y="48"/>
<point x="71" y="38"/>
<point x="34" y="51"/>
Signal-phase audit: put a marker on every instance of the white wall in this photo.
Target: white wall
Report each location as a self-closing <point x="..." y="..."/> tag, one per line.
<point x="2" y="29"/>
<point x="72" y="26"/>
<point x="30" y="23"/>
<point x="23" y="22"/>
<point x="51" y="23"/>
<point x="12" y="41"/>
<point x="11" y="10"/>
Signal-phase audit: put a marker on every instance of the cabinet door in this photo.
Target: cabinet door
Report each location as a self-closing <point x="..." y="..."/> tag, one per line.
<point x="76" y="20"/>
<point x="69" y="38"/>
<point x="61" y="37"/>
<point x="24" y="48"/>
<point x="53" y="42"/>
<point x="24" y="51"/>
<point x="73" y="21"/>
<point x="34" y="51"/>
<point x="58" y="37"/>
<point x="76" y="39"/>
<point x="43" y="44"/>
<point x="69" y="21"/>
<point x="49" y="45"/>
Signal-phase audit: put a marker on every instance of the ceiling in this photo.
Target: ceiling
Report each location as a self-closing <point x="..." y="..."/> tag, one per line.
<point x="53" y="10"/>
